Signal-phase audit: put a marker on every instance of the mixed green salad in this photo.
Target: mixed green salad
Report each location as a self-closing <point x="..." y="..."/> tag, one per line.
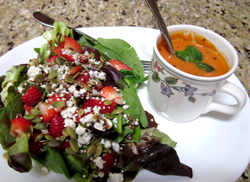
<point x="74" y="110"/>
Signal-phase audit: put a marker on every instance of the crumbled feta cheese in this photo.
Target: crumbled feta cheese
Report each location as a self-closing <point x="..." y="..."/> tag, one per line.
<point x="116" y="177"/>
<point x="99" y="126"/>
<point x="68" y="112"/>
<point x="115" y="120"/>
<point x="84" y="139"/>
<point x="99" y="162"/>
<point x="125" y="106"/>
<point x="33" y="71"/>
<point x="116" y="147"/>
<point x="106" y="143"/>
<point x="70" y="123"/>
<point x="80" y="130"/>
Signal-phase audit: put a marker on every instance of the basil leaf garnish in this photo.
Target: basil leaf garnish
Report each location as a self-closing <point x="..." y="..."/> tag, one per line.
<point x="205" y="66"/>
<point x="185" y="56"/>
<point x="197" y="55"/>
<point x="193" y="55"/>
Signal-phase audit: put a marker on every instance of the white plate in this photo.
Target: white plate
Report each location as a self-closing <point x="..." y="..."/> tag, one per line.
<point x="216" y="146"/>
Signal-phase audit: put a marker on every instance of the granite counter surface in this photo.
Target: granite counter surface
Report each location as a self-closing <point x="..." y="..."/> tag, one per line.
<point x="229" y="18"/>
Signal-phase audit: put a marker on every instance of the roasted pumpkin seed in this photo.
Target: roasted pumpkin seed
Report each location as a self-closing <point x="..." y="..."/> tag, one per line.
<point x="75" y="101"/>
<point x="117" y="111"/>
<point x="69" y="150"/>
<point x="76" y="75"/>
<point x="102" y="59"/>
<point x="87" y="88"/>
<point x="109" y="116"/>
<point x="69" y="79"/>
<point x="52" y="74"/>
<point x="91" y="150"/>
<point x="65" y="133"/>
<point x="36" y="120"/>
<point x="74" y="145"/>
<point x="49" y="137"/>
<point x="71" y="132"/>
<point x="39" y="137"/>
<point x="39" y="78"/>
<point x="58" y="104"/>
<point x="48" y="87"/>
<point x="40" y="126"/>
<point x="44" y="96"/>
<point x="35" y="112"/>
<point x="62" y="138"/>
<point x="54" y="143"/>
<point x="98" y="151"/>
<point x="54" y="81"/>
<point x="29" y="116"/>
<point x="99" y="66"/>
<point x="107" y="102"/>
<point x="59" y="61"/>
<point x="91" y="55"/>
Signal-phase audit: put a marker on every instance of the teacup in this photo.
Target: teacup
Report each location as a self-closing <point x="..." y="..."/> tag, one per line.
<point x="181" y="97"/>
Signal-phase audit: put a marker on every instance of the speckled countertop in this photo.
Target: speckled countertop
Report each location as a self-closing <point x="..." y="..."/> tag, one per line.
<point x="229" y="18"/>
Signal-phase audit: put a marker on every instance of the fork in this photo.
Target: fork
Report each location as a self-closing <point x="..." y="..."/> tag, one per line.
<point x="146" y="66"/>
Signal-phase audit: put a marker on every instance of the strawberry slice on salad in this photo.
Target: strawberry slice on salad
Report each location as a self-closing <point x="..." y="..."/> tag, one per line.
<point x="104" y="108"/>
<point x="71" y="51"/>
<point x="47" y="111"/>
<point x="52" y="58"/>
<point x="32" y="96"/>
<point x="119" y="65"/>
<point x="19" y="126"/>
<point x="112" y="94"/>
<point x="109" y="162"/>
<point x="56" y="126"/>
<point x="75" y="70"/>
<point x="72" y="44"/>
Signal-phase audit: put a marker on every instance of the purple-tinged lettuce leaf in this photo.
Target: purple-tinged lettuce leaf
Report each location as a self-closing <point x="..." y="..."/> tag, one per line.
<point x="19" y="156"/>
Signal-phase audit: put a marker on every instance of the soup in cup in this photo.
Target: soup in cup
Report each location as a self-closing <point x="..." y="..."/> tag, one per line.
<point x="183" y="94"/>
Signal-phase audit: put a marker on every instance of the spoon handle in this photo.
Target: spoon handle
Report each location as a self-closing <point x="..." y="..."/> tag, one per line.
<point x="48" y="21"/>
<point x="155" y="10"/>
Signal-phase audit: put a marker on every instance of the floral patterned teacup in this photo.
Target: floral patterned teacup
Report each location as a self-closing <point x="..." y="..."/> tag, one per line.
<point x="179" y="96"/>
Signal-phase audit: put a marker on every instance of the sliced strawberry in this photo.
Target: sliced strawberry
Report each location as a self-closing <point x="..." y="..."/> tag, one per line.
<point x="83" y="77"/>
<point x="28" y="108"/>
<point x="112" y="94"/>
<point x="72" y="44"/>
<point x="52" y="58"/>
<point x="35" y="147"/>
<point x="119" y="65"/>
<point x="19" y="126"/>
<point x="62" y="45"/>
<point x="56" y="126"/>
<point x="97" y="102"/>
<point x="109" y="162"/>
<point x="75" y="70"/>
<point x="32" y="96"/>
<point x="47" y="111"/>
<point x="70" y="55"/>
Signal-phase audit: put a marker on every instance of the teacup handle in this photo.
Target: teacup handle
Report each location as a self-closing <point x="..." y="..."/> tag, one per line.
<point x="234" y="91"/>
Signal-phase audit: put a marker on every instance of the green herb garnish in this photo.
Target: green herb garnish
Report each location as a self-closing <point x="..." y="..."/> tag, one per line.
<point x="193" y="55"/>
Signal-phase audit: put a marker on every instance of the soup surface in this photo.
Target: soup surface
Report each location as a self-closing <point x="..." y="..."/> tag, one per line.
<point x="211" y="55"/>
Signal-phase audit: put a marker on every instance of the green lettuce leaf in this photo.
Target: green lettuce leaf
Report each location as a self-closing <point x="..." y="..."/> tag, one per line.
<point x="14" y="76"/>
<point x="122" y="51"/>
<point x="19" y="156"/>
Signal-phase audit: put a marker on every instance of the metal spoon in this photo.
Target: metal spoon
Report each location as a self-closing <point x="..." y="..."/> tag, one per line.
<point x="152" y="4"/>
<point x="48" y="21"/>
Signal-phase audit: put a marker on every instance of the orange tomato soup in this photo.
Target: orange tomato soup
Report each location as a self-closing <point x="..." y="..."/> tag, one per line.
<point x="211" y="55"/>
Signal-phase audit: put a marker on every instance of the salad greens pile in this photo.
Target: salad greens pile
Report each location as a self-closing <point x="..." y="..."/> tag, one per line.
<point x="140" y="146"/>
